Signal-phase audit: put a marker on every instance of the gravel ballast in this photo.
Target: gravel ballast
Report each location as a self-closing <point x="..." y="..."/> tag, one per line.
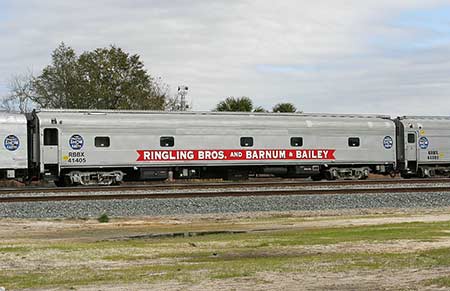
<point x="33" y="193"/>
<point x="158" y="207"/>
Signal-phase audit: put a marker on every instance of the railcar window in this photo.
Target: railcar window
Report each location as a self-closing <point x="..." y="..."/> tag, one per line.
<point x="102" y="141"/>
<point x="296" y="141"/>
<point x="353" y="142"/>
<point x="167" y="141"/>
<point x="246" y="141"/>
<point x="50" y="136"/>
<point x="411" y="138"/>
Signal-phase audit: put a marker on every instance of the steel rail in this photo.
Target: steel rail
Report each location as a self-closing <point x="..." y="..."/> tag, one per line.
<point x="208" y="185"/>
<point x="205" y="194"/>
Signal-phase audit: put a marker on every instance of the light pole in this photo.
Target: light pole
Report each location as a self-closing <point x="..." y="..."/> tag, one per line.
<point x="182" y="92"/>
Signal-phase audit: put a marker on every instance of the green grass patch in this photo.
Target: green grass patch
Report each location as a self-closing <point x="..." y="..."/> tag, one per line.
<point x="84" y="276"/>
<point x="325" y="236"/>
<point x="239" y="262"/>
<point x="222" y="256"/>
<point x="103" y="245"/>
<point x="15" y="249"/>
<point x="126" y="257"/>
<point x="439" y="282"/>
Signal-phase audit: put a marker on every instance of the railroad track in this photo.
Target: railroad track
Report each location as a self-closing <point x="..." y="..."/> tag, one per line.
<point x="208" y="185"/>
<point x="224" y="193"/>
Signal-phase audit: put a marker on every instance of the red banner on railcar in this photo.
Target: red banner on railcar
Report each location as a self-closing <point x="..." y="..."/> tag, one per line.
<point x="234" y="155"/>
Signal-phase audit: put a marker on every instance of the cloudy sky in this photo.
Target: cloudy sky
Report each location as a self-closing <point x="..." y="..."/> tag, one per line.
<point x="348" y="56"/>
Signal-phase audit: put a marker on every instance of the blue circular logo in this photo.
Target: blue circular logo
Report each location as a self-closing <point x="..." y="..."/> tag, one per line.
<point x="388" y="142"/>
<point x="76" y="142"/>
<point x="423" y="143"/>
<point x="11" y="142"/>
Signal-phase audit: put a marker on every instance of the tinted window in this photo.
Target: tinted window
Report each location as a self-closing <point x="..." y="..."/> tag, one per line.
<point x="353" y="142"/>
<point x="246" y="141"/>
<point x="102" y="141"/>
<point x="50" y="136"/>
<point x="411" y="138"/>
<point x="296" y="141"/>
<point x="167" y="141"/>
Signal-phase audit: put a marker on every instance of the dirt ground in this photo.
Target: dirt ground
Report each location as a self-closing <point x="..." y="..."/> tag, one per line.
<point x="399" y="261"/>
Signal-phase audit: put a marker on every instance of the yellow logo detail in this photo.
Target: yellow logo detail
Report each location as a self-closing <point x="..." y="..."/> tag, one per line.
<point x="65" y="158"/>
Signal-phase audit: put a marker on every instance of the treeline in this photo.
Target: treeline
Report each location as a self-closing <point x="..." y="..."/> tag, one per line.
<point x="104" y="78"/>
<point x="245" y="104"/>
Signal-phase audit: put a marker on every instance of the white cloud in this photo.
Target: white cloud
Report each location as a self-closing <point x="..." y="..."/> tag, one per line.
<point x="331" y="56"/>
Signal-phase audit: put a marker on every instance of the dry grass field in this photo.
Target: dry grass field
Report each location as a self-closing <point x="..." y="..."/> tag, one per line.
<point x="359" y="250"/>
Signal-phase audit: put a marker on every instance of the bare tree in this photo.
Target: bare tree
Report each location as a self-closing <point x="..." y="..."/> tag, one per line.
<point x="6" y="104"/>
<point x="20" y="94"/>
<point x="172" y="103"/>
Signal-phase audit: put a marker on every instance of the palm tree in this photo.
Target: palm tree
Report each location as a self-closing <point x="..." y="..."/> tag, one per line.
<point x="259" y="109"/>
<point x="240" y="104"/>
<point x="284" y="107"/>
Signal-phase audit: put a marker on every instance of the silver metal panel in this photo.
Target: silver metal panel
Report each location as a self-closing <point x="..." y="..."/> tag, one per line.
<point x="433" y="138"/>
<point x="411" y="149"/>
<point x="13" y="138"/>
<point x="50" y="154"/>
<point x="133" y="131"/>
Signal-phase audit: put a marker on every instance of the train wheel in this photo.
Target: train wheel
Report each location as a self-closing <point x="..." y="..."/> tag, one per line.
<point x="63" y="181"/>
<point x="237" y="175"/>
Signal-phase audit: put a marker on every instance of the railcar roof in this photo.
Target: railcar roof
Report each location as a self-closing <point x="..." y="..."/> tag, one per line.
<point x="132" y="112"/>
<point x="425" y="117"/>
<point x="426" y="122"/>
<point x="8" y="117"/>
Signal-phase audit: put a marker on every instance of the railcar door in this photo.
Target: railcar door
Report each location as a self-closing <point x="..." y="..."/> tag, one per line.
<point x="411" y="150"/>
<point x="50" y="146"/>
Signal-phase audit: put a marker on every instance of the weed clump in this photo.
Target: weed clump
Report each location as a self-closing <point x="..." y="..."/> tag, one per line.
<point x="103" y="218"/>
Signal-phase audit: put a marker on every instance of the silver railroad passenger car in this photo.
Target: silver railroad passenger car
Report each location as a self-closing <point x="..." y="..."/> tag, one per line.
<point x="106" y="147"/>
<point x="424" y="149"/>
<point x="13" y="151"/>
